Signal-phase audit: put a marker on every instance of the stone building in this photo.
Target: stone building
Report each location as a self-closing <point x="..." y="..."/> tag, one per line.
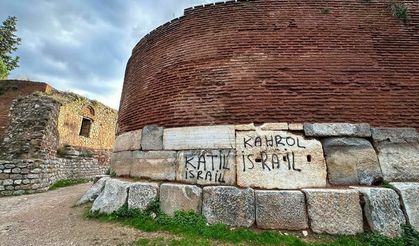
<point x="224" y="111"/>
<point x="49" y="135"/>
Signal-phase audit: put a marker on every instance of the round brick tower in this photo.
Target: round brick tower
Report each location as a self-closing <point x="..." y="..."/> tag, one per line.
<point x="226" y="111"/>
<point x="273" y="60"/>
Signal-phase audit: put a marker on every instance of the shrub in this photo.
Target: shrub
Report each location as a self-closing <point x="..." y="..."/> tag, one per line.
<point x="399" y="10"/>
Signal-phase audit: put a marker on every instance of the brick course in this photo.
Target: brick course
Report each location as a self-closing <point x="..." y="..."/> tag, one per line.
<point x="276" y="61"/>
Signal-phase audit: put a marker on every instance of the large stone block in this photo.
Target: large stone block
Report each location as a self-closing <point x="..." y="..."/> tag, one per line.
<point x="176" y="197"/>
<point x="394" y="135"/>
<point x="399" y="162"/>
<point x="152" y="137"/>
<point x="337" y="130"/>
<point x="409" y="192"/>
<point x="93" y="192"/>
<point x="206" y="167"/>
<point x="113" y="197"/>
<point x="128" y="141"/>
<point x="154" y="165"/>
<point x="285" y="210"/>
<point x="334" y="211"/>
<point x="141" y="195"/>
<point x="199" y="137"/>
<point x="382" y="210"/>
<point x="279" y="159"/>
<point x="121" y="163"/>
<point x="351" y="161"/>
<point x="229" y="205"/>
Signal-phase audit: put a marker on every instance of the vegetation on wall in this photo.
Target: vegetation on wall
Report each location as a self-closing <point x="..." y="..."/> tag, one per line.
<point x="67" y="182"/>
<point x="399" y="10"/>
<point x="9" y="43"/>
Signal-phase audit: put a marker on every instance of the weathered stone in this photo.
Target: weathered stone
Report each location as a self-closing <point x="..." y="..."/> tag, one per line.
<point x="399" y="162"/>
<point x="93" y="192"/>
<point x="7" y="170"/>
<point x="1" y="167"/>
<point x="351" y="161"/>
<point x="121" y="163"/>
<point x="248" y="127"/>
<point x="274" y="126"/>
<point x="398" y="153"/>
<point x="18" y="181"/>
<point x="229" y="205"/>
<point x="2" y="188"/>
<point x="199" y="137"/>
<point x="8" y="182"/>
<point x="337" y="130"/>
<point x="296" y="126"/>
<point x="128" y="141"/>
<point x="206" y="167"/>
<point x="18" y="193"/>
<point x="382" y="210"/>
<point x="113" y="197"/>
<point x="152" y="137"/>
<point x="334" y="211"/>
<point x="141" y="195"/>
<point x="394" y="135"/>
<point x="155" y="165"/>
<point x="16" y="170"/>
<point x="409" y="192"/>
<point x="176" y="197"/>
<point x="279" y="159"/>
<point x="285" y="210"/>
<point x="32" y="176"/>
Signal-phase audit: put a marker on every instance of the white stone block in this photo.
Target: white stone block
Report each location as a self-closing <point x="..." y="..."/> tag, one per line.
<point x="199" y="137"/>
<point x="279" y="159"/>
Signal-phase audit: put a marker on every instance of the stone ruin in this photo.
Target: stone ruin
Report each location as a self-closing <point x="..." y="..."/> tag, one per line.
<point x="322" y="177"/>
<point x="193" y="84"/>
<point x="45" y="140"/>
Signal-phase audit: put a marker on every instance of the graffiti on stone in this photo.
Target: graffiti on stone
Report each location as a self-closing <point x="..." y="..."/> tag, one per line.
<point x="279" y="159"/>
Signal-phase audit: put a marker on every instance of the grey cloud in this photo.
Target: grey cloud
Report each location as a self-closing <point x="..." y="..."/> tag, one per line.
<point x="83" y="46"/>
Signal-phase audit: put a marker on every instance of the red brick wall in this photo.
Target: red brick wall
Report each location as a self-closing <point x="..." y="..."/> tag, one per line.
<point x="263" y="61"/>
<point x="10" y="90"/>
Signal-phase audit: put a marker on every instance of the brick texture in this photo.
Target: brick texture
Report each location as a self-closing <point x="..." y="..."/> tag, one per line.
<point x="274" y="60"/>
<point x="9" y="91"/>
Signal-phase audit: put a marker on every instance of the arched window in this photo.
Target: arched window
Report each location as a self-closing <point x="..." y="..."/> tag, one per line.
<point x="86" y="125"/>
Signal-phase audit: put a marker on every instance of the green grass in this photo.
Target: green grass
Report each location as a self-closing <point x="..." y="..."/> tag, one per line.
<point x="67" y="182"/>
<point x="194" y="230"/>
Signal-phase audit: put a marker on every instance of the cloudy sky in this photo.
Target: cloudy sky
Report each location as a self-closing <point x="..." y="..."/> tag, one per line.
<point x="84" y="45"/>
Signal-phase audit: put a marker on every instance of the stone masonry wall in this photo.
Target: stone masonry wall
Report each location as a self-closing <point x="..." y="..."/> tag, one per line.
<point x="276" y="60"/>
<point x="32" y="132"/>
<point x="12" y="89"/>
<point x="28" y="153"/>
<point x="27" y="176"/>
<point x="102" y="132"/>
<point x="326" y="177"/>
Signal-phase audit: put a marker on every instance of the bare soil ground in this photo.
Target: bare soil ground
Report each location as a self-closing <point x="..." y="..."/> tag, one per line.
<point x="50" y="219"/>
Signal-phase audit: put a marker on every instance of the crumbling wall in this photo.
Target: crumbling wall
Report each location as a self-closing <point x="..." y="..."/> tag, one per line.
<point x="28" y="154"/>
<point x="12" y="89"/>
<point x="103" y="119"/>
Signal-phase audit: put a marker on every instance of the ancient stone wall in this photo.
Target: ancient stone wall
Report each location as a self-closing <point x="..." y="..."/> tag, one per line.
<point x="12" y="89"/>
<point x="322" y="176"/>
<point x="276" y="60"/>
<point x="26" y="176"/>
<point x="28" y="153"/>
<point x="102" y="131"/>
<point x="32" y="131"/>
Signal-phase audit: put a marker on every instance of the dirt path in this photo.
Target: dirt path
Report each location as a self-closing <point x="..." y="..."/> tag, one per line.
<point x="49" y="219"/>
